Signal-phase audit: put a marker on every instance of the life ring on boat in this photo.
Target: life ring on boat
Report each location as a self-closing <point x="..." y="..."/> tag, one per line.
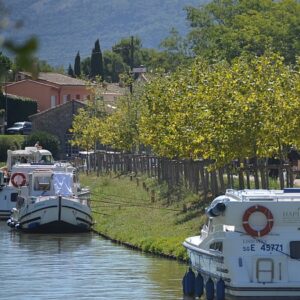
<point x="268" y="215"/>
<point x="15" y="182"/>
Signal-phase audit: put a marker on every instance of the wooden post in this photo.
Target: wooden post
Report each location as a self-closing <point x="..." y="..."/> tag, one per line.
<point x="281" y="177"/>
<point x="229" y="182"/>
<point x="98" y="164"/>
<point x="263" y="177"/>
<point x="290" y="176"/>
<point x="255" y="173"/>
<point x="152" y="196"/>
<point x="221" y="180"/>
<point x="214" y="184"/>
<point x="202" y="176"/>
<point x="241" y="175"/>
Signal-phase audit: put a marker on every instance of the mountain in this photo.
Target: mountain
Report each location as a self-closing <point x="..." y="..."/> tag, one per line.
<point x="64" y="27"/>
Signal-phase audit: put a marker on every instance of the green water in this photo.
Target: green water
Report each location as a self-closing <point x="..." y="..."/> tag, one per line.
<point x="82" y="266"/>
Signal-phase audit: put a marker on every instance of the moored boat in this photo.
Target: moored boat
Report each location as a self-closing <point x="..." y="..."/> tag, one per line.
<point x="51" y="203"/>
<point x="250" y="247"/>
<point x="19" y="164"/>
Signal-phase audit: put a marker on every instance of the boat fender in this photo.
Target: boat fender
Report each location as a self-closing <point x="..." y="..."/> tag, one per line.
<point x="8" y="222"/>
<point x="209" y="289"/>
<point x="217" y="209"/>
<point x="268" y="215"/>
<point x="184" y="284"/>
<point x="220" y="289"/>
<point x="199" y="285"/>
<point x="11" y="224"/>
<point x="15" y="183"/>
<point x="188" y="283"/>
<point x="240" y="262"/>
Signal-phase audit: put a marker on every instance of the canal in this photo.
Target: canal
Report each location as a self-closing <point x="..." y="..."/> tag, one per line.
<point x="82" y="266"/>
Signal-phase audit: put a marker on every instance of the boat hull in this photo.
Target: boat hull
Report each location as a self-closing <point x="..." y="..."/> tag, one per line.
<point x="212" y="266"/>
<point x="4" y="214"/>
<point x="56" y="215"/>
<point x="8" y="197"/>
<point x="55" y="227"/>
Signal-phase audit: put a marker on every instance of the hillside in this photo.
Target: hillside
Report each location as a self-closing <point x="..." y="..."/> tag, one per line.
<point x="65" y="27"/>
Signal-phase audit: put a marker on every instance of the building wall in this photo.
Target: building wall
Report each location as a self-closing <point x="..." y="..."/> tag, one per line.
<point x="68" y="93"/>
<point x="57" y="121"/>
<point x="47" y="95"/>
<point x="41" y="93"/>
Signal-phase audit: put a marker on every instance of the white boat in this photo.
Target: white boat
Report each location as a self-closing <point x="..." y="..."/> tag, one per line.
<point x="51" y="203"/>
<point x="32" y="155"/>
<point x="250" y="247"/>
<point x="19" y="164"/>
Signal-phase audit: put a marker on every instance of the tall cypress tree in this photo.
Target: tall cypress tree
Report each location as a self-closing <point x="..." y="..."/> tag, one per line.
<point x="97" y="61"/>
<point x="70" y="71"/>
<point x="77" y="70"/>
<point x="93" y="69"/>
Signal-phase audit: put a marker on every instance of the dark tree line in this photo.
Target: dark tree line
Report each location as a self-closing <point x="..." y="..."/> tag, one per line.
<point x="219" y="30"/>
<point x="94" y="69"/>
<point x="126" y="54"/>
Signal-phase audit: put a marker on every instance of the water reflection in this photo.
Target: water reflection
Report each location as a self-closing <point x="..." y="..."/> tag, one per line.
<point x="81" y="266"/>
<point x="50" y="243"/>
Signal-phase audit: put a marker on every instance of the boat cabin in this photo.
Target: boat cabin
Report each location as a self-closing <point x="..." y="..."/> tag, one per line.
<point x="28" y="155"/>
<point x="49" y="183"/>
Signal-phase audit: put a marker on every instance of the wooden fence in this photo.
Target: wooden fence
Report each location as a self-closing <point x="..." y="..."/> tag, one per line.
<point x="196" y="175"/>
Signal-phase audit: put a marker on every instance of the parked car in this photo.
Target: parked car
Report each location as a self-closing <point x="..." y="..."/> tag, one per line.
<point x="20" y="128"/>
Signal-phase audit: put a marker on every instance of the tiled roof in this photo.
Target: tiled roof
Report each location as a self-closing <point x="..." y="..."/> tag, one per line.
<point x="58" y="107"/>
<point x="56" y="78"/>
<point x="60" y="79"/>
<point x="115" y="88"/>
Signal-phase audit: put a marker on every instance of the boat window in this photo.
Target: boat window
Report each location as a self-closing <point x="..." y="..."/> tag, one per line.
<point x="295" y="249"/>
<point x="46" y="159"/>
<point x="218" y="246"/>
<point x="13" y="197"/>
<point x="261" y="199"/>
<point x="42" y="183"/>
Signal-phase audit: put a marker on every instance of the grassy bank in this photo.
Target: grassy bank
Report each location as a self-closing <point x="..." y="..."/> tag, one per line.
<point x="152" y="221"/>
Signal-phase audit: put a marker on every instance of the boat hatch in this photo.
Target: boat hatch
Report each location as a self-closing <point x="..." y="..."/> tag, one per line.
<point x="295" y="249"/>
<point x="291" y="190"/>
<point x="261" y="199"/>
<point x="264" y="270"/>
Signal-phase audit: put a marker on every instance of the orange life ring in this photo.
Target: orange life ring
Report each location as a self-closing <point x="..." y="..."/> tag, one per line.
<point x="15" y="183"/>
<point x="266" y="212"/>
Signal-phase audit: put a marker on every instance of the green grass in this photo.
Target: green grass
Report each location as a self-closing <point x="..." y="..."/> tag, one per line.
<point x="124" y="211"/>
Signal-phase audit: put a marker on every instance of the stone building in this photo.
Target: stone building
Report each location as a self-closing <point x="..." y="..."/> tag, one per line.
<point x="57" y="121"/>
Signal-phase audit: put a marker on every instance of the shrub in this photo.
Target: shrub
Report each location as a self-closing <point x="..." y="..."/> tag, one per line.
<point x="18" y="108"/>
<point x="46" y="140"/>
<point x="12" y="142"/>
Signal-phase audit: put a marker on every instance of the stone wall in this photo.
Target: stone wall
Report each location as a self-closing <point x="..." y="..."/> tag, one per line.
<point x="57" y="121"/>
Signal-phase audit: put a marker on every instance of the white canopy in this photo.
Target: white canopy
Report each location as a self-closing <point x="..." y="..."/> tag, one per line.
<point x="63" y="183"/>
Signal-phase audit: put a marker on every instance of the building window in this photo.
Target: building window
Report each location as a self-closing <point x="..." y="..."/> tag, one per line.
<point x="53" y="101"/>
<point x="69" y="97"/>
<point x="65" y="98"/>
<point x="78" y="97"/>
